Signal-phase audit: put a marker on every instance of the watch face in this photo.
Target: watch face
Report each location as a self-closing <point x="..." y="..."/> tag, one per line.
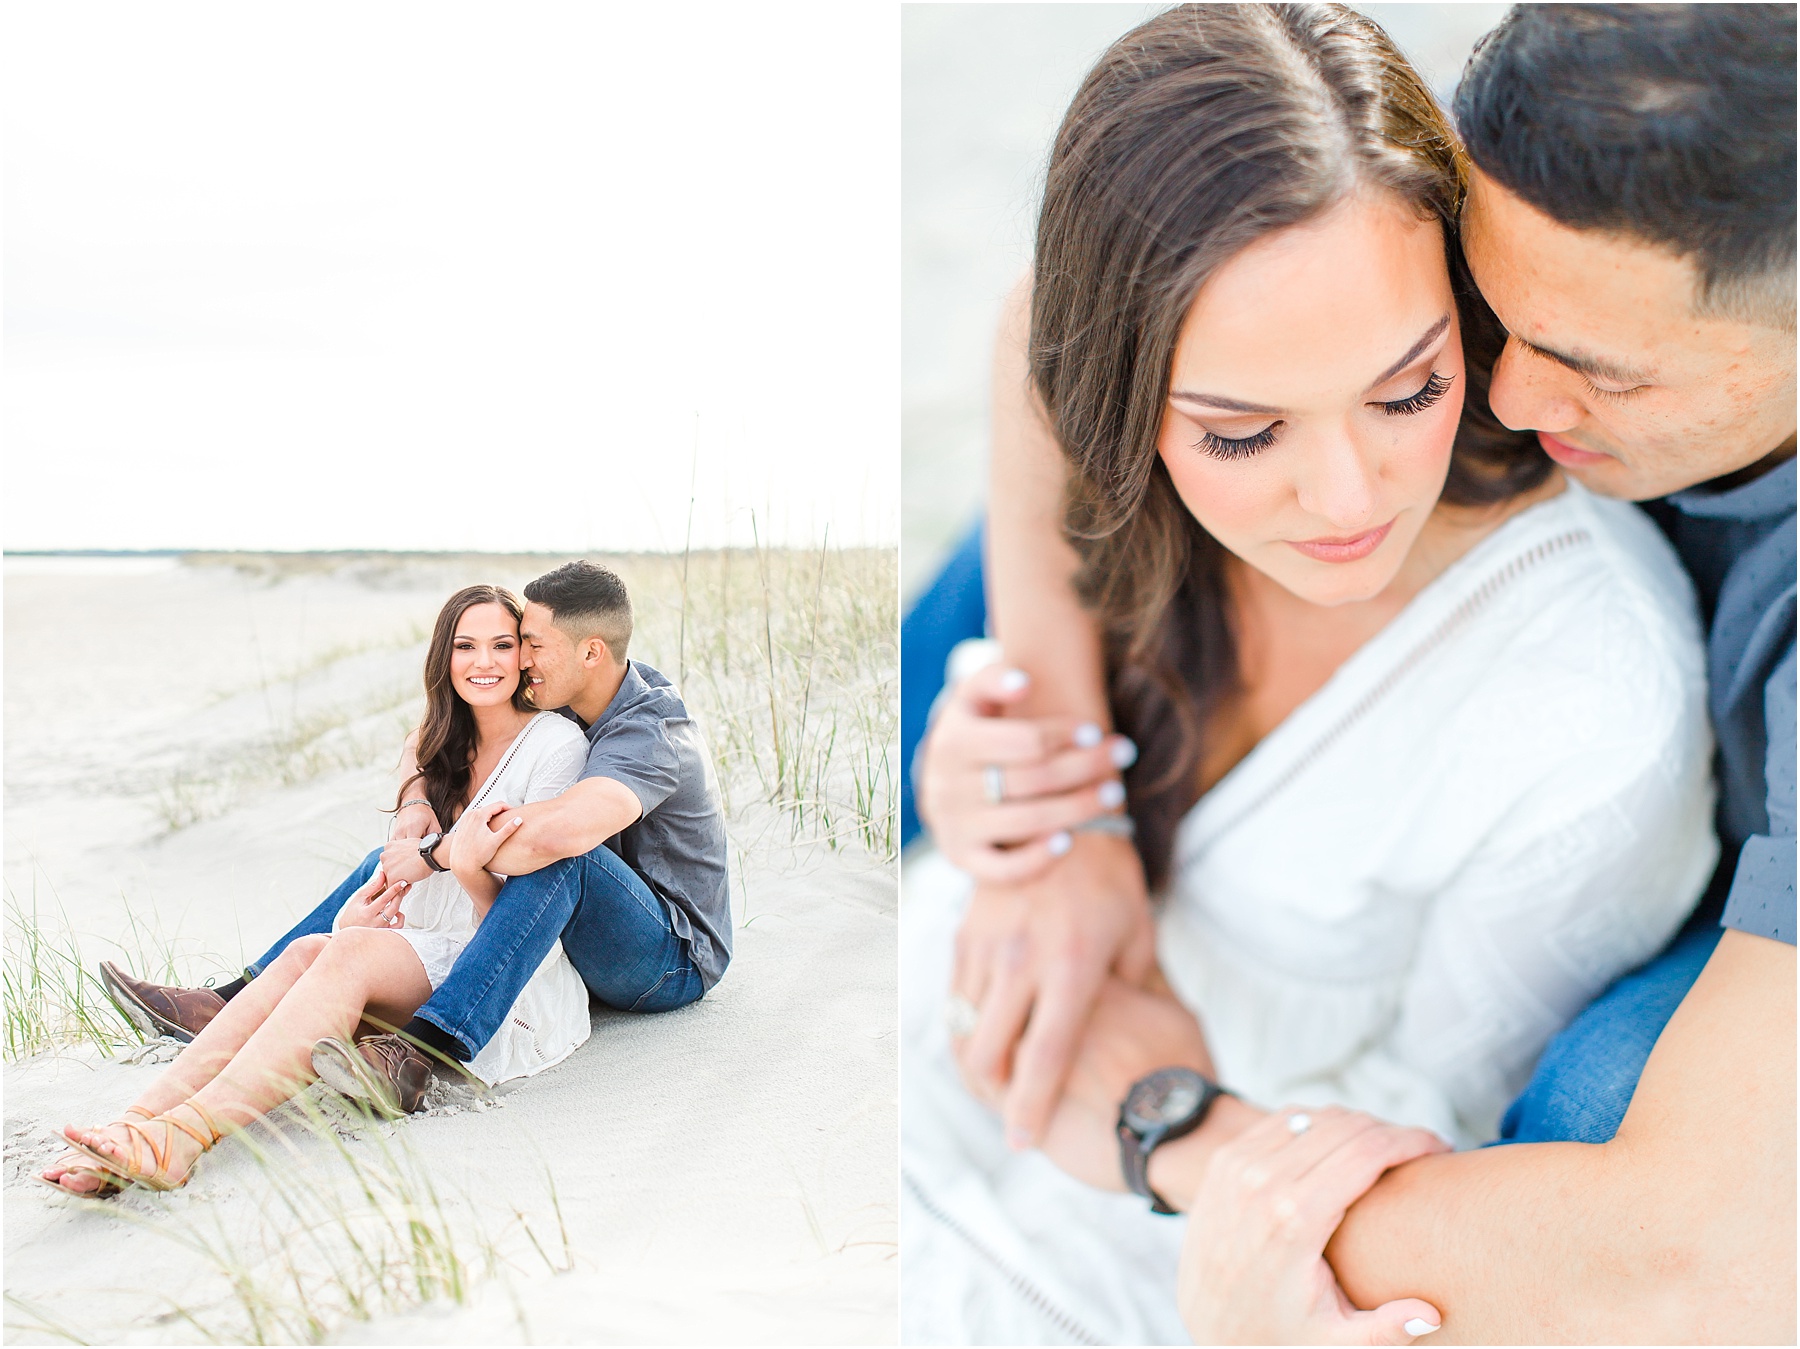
<point x="1164" y="1099"/>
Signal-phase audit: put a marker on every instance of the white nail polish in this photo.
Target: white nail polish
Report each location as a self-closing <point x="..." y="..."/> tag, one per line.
<point x="1059" y="843"/>
<point x="1124" y="752"/>
<point x="1112" y="794"/>
<point x="1087" y="735"/>
<point x="1014" y="680"/>
<point x="1418" y="1326"/>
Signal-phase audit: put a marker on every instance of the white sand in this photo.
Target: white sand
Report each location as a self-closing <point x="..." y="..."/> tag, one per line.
<point x="727" y="1171"/>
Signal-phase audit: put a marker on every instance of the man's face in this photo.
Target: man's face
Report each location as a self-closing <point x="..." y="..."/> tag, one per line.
<point x="550" y="659"/>
<point x="1605" y="359"/>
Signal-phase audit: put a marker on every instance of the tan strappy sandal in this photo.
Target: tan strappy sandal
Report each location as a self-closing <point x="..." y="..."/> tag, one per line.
<point x="133" y="1172"/>
<point x="108" y="1186"/>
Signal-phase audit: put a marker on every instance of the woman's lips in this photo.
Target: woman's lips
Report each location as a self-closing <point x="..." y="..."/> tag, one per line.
<point x="1352" y="549"/>
<point x="1568" y="455"/>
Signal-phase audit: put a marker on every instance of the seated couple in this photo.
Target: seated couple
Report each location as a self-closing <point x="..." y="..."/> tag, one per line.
<point x="1419" y="714"/>
<point x="606" y="819"/>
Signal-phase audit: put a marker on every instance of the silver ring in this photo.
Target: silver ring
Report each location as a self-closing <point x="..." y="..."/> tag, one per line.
<point x="1299" y="1124"/>
<point x="993" y="784"/>
<point x="960" y="1016"/>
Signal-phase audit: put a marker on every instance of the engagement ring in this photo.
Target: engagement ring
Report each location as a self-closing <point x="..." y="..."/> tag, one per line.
<point x="993" y="781"/>
<point x="1299" y="1124"/>
<point x="961" y="1016"/>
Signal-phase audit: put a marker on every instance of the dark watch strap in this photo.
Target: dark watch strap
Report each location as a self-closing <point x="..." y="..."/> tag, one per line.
<point x="1134" y="1160"/>
<point x="429" y="853"/>
<point x="1135" y="1147"/>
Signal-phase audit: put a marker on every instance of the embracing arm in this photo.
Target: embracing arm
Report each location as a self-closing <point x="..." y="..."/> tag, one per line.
<point x="577" y="821"/>
<point x="1680" y="1230"/>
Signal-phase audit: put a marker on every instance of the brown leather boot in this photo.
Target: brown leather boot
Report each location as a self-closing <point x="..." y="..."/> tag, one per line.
<point x="386" y="1073"/>
<point x="160" y="1009"/>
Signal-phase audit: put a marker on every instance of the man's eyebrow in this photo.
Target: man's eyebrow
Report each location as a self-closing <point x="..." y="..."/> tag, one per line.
<point x="1429" y="336"/>
<point x="1593" y="366"/>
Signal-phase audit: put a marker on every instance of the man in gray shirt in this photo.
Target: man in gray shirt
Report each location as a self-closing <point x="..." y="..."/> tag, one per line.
<point x="627" y="867"/>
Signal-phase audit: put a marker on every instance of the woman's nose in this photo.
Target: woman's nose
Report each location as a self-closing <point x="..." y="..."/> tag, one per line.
<point x="1530" y="393"/>
<point x="1338" y="486"/>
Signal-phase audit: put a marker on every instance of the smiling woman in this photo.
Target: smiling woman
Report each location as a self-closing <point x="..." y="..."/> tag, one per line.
<point x="473" y="660"/>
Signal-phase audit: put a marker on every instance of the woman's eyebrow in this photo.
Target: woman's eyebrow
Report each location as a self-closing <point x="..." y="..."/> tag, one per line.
<point x="1228" y="404"/>
<point x="1429" y="336"/>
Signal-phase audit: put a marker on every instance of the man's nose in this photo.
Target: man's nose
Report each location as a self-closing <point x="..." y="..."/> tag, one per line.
<point x="1531" y="393"/>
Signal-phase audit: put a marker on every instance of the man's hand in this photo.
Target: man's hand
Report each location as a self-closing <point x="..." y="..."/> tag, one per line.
<point x="1054" y="773"/>
<point x="1253" y="1266"/>
<point x="376" y="904"/>
<point x="1032" y="959"/>
<point x="476" y="838"/>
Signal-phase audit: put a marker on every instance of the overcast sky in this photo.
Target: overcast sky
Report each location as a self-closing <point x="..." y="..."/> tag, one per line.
<point x="445" y="275"/>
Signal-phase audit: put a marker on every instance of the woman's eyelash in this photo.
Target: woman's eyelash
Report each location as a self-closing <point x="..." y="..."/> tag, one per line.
<point x="1224" y="447"/>
<point x="1435" y="387"/>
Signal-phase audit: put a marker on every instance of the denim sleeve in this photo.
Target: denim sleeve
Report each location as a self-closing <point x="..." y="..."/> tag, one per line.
<point x="1762" y="891"/>
<point x="637" y="751"/>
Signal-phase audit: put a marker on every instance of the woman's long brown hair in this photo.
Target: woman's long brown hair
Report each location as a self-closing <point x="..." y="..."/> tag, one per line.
<point x="1198" y="133"/>
<point x="446" y="747"/>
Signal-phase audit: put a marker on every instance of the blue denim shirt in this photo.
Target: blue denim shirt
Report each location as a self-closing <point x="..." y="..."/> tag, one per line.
<point x="1738" y="545"/>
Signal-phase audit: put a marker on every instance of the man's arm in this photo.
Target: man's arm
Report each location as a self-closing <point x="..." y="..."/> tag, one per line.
<point x="578" y="821"/>
<point x="1680" y="1230"/>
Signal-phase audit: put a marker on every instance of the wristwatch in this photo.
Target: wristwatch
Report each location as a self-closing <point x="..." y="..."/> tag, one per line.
<point x="1168" y="1104"/>
<point x="426" y="844"/>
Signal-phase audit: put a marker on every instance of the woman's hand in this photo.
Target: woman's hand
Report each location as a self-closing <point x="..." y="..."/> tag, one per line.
<point x="475" y="839"/>
<point x="1131" y="1034"/>
<point x="376" y="904"/>
<point x="1053" y="773"/>
<point x="1253" y="1267"/>
<point x="1032" y="959"/>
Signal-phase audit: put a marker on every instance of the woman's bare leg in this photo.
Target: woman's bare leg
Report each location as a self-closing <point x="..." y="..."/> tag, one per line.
<point x="201" y="1060"/>
<point x="359" y="969"/>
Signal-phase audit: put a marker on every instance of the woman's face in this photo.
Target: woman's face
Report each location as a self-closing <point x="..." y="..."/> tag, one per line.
<point x="1314" y="395"/>
<point x="484" y="655"/>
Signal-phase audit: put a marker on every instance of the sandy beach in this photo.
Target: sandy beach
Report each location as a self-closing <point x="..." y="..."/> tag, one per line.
<point x="198" y="749"/>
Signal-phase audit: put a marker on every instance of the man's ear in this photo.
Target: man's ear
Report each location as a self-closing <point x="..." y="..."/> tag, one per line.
<point x="596" y="647"/>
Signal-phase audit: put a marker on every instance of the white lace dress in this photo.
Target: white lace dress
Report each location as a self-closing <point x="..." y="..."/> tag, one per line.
<point x="1496" y="806"/>
<point x="550" y="1018"/>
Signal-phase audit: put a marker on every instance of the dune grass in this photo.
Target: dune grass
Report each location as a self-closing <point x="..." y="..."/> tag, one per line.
<point x="346" y="1222"/>
<point x="788" y="660"/>
<point x="53" y="994"/>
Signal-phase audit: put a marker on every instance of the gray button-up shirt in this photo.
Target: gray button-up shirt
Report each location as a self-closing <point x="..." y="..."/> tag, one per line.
<point x="646" y="740"/>
<point x="1738" y="545"/>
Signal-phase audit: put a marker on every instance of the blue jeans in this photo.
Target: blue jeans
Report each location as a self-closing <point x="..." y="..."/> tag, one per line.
<point x="615" y="930"/>
<point x="1586" y="1077"/>
<point x="953" y="609"/>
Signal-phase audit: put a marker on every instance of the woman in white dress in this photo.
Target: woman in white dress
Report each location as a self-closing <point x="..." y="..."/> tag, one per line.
<point x="1423" y="756"/>
<point x="481" y="749"/>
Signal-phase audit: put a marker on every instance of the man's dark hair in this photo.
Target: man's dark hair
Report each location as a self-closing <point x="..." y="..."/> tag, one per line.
<point x="586" y="600"/>
<point x="1673" y="124"/>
